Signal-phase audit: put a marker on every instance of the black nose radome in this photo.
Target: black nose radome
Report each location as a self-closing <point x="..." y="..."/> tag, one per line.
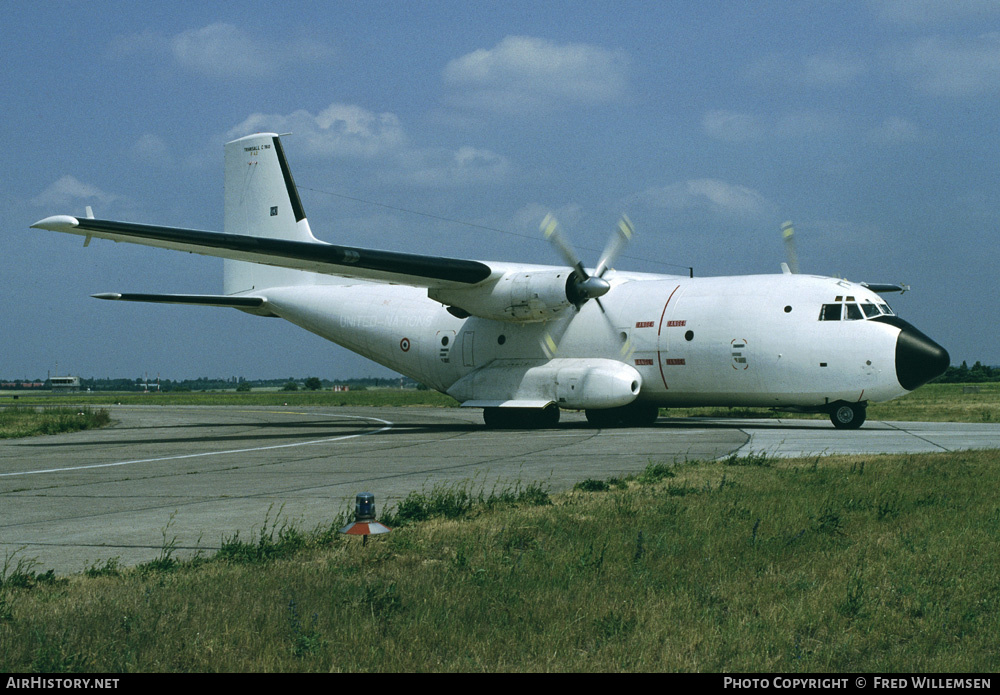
<point x="918" y="358"/>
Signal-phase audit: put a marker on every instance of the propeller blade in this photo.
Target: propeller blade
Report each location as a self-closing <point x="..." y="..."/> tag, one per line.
<point x="550" y="339"/>
<point x="550" y="228"/>
<point x="549" y="345"/>
<point x="616" y="243"/>
<point x="788" y="233"/>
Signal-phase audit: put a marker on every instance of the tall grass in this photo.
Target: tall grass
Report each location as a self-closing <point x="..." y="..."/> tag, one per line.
<point x="21" y="421"/>
<point x="864" y="563"/>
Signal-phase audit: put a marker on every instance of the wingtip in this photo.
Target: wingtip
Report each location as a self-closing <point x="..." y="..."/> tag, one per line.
<point x="57" y="223"/>
<point x="107" y="295"/>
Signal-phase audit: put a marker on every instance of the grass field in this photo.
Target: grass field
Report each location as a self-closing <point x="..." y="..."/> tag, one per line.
<point x="26" y="421"/>
<point x="369" y="397"/>
<point x="933" y="402"/>
<point x="867" y="564"/>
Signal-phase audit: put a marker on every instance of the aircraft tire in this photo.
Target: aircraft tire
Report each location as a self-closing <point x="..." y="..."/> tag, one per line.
<point x="848" y="416"/>
<point x="496" y="418"/>
<point x="631" y="415"/>
<point x="605" y="417"/>
<point x="641" y="414"/>
<point x="548" y="417"/>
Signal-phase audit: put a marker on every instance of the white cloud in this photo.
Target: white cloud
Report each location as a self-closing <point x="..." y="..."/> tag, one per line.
<point x="350" y="131"/>
<point x="732" y="126"/>
<point x="223" y="51"/>
<point x="338" y="130"/>
<point x="717" y="197"/>
<point x="69" y="192"/>
<point x="838" y="69"/>
<point x="936" y="12"/>
<point x="220" y="50"/>
<point x="152" y="150"/>
<point x="895" y="130"/>
<point x="953" y="66"/>
<point x="467" y="165"/>
<point x="523" y="74"/>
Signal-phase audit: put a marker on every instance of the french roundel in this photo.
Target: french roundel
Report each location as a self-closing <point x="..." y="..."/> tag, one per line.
<point x="404" y="344"/>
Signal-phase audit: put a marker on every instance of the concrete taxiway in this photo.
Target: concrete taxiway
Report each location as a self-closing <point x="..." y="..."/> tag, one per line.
<point x="191" y="476"/>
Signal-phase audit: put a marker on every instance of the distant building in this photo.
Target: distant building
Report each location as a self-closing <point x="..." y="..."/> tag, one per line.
<point x="65" y="383"/>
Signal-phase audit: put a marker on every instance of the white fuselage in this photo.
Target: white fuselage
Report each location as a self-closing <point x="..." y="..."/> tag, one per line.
<point x="734" y="341"/>
<point x="518" y="340"/>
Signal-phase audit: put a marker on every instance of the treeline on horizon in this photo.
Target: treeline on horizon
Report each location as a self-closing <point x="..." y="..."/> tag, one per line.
<point x="217" y="384"/>
<point x="962" y="374"/>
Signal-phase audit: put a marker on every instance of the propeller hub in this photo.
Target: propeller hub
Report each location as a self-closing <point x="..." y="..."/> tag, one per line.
<point x="593" y="287"/>
<point x="581" y="287"/>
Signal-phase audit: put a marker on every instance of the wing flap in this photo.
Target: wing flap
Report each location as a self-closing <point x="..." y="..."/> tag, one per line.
<point x="328" y="259"/>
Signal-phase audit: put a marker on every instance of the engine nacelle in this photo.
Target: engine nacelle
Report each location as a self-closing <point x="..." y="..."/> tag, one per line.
<point x="522" y="296"/>
<point x="572" y="383"/>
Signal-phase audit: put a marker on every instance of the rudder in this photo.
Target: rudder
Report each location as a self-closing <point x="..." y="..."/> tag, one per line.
<point x="261" y="200"/>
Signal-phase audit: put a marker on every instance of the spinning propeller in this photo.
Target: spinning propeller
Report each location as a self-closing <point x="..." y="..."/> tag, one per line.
<point x="582" y="287"/>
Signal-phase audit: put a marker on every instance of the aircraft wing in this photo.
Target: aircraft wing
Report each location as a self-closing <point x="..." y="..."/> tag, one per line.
<point x="317" y="257"/>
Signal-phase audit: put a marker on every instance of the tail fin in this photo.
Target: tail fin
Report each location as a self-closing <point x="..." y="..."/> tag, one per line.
<point x="262" y="201"/>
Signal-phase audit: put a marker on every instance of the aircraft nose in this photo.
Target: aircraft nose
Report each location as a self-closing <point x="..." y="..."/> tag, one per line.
<point x="918" y="358"/>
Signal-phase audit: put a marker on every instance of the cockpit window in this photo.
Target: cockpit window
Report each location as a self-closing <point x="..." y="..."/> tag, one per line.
<point x="830" y="312"/>
<point x="847" y="309"/>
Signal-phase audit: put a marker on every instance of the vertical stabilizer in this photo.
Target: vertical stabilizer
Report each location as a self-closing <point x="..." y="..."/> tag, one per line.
<point x="262" y="201"/>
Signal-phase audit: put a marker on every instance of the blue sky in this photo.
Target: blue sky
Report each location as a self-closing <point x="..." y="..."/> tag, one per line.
<point x="871" y="124"/>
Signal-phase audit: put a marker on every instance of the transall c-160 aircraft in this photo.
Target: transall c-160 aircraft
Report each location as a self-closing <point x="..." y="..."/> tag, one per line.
<point x="524" y="341"/>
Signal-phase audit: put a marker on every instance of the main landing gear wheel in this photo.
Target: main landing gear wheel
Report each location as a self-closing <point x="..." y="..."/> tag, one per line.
<point x="631" y="415"/>
<point x="521" y="418"/>
<point x="848" y="416"/>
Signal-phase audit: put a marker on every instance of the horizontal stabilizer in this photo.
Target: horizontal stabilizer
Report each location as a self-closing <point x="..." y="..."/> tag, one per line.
<point x="318" y="257"/>
<point x="253" y="305"/>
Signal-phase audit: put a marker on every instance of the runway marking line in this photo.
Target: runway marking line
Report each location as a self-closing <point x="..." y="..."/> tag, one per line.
<point x="388" y="426"/>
